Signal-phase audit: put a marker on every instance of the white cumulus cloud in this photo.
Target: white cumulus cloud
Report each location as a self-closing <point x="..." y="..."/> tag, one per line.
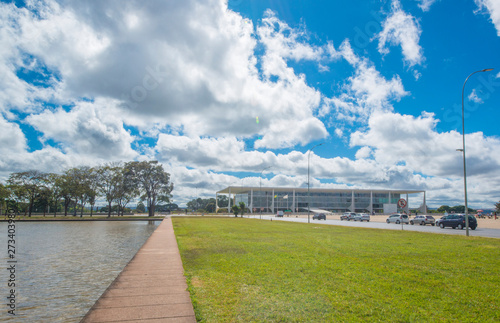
<point x="414" y="145"/>
<point x="493" y="8"/>
<point x="474" y="97"/>
<point x="364" y="92"/>
<point x="425" y="5"/>
<point x="90" y="128"/>
<point x="401" y="29"/>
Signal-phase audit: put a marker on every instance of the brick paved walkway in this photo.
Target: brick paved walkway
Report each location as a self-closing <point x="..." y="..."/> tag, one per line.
<point x="151" y="288"/>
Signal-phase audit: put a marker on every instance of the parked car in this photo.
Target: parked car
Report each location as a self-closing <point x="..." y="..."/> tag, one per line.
<point x="362" y="217"/>
<point x="279" y="214"/>
<point x="347" y="216"/>
<point x="423" y="220"/>
<point x="457" y="221"/>
<point x="438" y="221"/>
<point x="319" y="216"/>
<point x="398" y="218"/>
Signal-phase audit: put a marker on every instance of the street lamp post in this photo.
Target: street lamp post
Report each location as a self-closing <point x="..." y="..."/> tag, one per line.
<point x="260" y="182"/>
<point x="308" y="193"/>
<point x="463" y="151"/>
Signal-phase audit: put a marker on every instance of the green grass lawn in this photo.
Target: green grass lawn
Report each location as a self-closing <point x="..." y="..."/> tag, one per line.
<point x="248" y="270"/>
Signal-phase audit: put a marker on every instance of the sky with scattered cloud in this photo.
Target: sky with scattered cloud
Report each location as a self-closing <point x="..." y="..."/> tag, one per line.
<point x="218" y="91"/>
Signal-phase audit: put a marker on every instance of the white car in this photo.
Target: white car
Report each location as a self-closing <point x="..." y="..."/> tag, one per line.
<point x="398" y="218"/>
<point x="362" y="217"/>
<point x="423" y="220"/>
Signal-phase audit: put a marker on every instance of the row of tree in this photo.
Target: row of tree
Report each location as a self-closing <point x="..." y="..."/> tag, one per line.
<point x="455" y="209"/>
<point x="207" y="205"/>
<point x="461" y="209"/>
<point x="118" y="184"/>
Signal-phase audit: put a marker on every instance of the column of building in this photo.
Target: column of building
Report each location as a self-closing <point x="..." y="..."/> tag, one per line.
<point x="353" y="203"/>
<point x="371" y="202"/>
<point x="272" y="203"/>
<point x="251" y="200"/>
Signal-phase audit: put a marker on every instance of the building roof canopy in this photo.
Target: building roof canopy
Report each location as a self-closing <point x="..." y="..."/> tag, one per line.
<point x="247" y="189"/>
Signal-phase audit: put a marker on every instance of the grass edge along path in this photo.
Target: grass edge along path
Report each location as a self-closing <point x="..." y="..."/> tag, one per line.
<point x="254" y="271"/>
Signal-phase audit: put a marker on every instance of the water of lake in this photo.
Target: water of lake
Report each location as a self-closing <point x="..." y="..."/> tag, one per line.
<point x="63" y="267"/>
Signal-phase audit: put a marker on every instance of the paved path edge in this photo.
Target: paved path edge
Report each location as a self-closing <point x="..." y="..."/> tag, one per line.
<point x="152" y="285"/>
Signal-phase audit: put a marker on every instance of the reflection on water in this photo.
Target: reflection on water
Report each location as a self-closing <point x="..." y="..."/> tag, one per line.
<point x="63" y="267"/>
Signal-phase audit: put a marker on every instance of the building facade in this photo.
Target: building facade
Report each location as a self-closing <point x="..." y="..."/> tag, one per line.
<point x="274" y="199"/>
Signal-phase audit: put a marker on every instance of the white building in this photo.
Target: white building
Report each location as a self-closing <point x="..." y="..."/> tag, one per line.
<point x="273" y="199"/>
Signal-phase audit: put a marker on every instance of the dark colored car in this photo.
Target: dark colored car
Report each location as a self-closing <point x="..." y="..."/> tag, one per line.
<point x="423" y="220"/>
<point x="438" y="221"/>
<point x="457" y="221"/>
<point x="319" y="216"/>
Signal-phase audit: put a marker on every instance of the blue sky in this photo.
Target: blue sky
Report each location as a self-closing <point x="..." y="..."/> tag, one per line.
<point x="219" y="91"/>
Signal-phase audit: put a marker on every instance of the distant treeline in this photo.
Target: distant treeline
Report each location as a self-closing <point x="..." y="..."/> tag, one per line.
<point x="208" y="205"/>
<point x="77" y="187"/>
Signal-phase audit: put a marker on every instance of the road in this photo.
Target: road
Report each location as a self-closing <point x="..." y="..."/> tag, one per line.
<point x="479" y="232"/>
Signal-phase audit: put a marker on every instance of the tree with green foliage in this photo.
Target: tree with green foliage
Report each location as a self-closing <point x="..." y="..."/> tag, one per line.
<point x="166" y="207"/>
<point x="153" y="182"/>
<point x="195" y="204"/>
<point x="235" y="210"/>
<point x="210" y="207"/>
<point x="106" y="209"/>
<point x="126" y="190"/>
<point x="18" y="198"/>
<point x="108" y="183"/>
<point x="443" y="208"/>
<point x="80" y="185"/>
<point x="222" y="201"/>
<point x="242" y="208"/>
<point x="31" y="182"/>
<point x="140" y="208"/>
<point x="4" y="195"/>
<point x="92" y="187"/>
<point x="42" y="200"/>
<point x="497" y="206"/>
<point x="53" y="183"/>
<point x="70" y="190"/>
<point x="204" y="205"/>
